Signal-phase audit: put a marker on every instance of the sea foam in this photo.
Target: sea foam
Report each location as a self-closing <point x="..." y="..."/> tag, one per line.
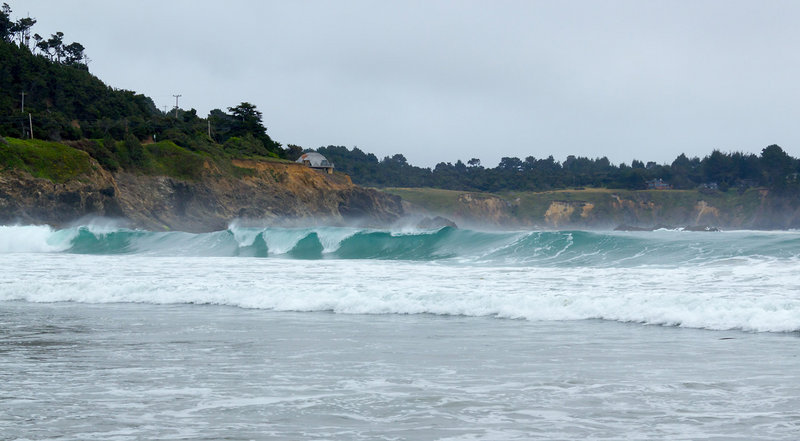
<point x="34" y="239"/>
<point x="735" y="280"/>
<point x="754" y="295"/>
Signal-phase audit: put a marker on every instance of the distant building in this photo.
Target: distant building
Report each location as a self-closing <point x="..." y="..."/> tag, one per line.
<point x="658" y="184"/>
<point x="316" y="161"/>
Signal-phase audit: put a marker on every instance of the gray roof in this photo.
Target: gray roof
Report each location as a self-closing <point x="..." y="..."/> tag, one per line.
<point x="314" y="160"/>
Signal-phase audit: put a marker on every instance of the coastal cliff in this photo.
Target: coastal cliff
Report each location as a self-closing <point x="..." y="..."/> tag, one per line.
<point x="754" y="208"/>
<point x="176" y="189"/>
<point x="259" y="191"/>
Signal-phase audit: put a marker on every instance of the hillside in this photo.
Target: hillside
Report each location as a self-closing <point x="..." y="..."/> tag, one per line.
<point x="46" y="182"/>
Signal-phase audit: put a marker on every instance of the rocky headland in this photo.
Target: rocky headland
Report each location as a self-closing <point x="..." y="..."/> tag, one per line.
<point x="261" y="191"/>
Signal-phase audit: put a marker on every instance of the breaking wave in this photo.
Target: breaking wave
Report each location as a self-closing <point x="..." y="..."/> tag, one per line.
<point x="727" y="280"/>
<point x="536" y="248"/>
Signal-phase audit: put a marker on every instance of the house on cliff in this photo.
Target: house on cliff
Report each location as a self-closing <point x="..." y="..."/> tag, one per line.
<point x="316" y="161"/>
<point x="658" y="184"/>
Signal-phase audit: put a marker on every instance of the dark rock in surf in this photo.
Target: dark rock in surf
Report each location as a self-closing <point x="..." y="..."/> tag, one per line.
<point x="701" y="228"/>
<point x="625" y="227"/>
<point x="435" y="223"/>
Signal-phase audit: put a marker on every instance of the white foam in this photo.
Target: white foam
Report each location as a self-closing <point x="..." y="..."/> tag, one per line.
<point x="101" y="226"/>
<point x="34" y="239"/>
<point x="413" y="231"/>
<point x="283" y="240"/>
<point x="245" y="237"/>
<point x="331" y="238"/>
<point x="752" y="295"/>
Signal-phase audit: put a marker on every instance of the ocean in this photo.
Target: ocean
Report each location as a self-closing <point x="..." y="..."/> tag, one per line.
<point x="361" y="334"/>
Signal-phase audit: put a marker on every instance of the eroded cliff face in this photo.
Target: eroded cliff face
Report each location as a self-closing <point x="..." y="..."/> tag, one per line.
<point x="642" y="209"/>
<point x="25" y="199"/>
<point x="607" y="209"/>
<point x="482" y="208"/>
<point x="564" y="213"/>
<point x="265" y="192"/>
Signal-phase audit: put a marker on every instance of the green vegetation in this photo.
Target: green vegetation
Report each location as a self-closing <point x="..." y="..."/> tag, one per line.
<point x="432" y="199"/>
<point x="166" y="158"/>
<point x="47" y="92"/>
<point x="773" y="169"/>
<point x="43" y="159"/>
<point x="59" y="162"/>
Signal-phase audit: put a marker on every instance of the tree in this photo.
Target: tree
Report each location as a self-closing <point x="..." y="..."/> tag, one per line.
<point x="221" y="123"/>
<point x="53" y="47"/>
<point x="717" y="168"/>
<point x="681" y="170"/>
<point x="135" y="150"/>
<point x="249" y="118"/>
<point x="776" y="164"/>
<point x="6" y="25"/>
<point x="73" y="53"/>
<point x="293" y="152"/>
<point x="746" y="166"/>
<point x="245" y="120"/>
<point x="22" y="30"/>
<point x="38" y="41"/>
<point x="507" y="163"/>
<point x="398" y="159"/>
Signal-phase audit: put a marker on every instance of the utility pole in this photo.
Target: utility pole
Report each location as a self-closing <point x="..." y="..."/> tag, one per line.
<point x="23" y="102"/>
<point x="176" y="104"/>
<point x="209" y="127"/>
<point x="30" y="123"/>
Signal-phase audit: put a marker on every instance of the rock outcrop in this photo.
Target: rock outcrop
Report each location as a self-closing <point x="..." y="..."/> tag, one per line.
<point x="264" y="191"/>
<point x="561" y="213"/>
<point x="483" y="209"/>
<point x="26" y="199"/>
<point x="606" y="209"/>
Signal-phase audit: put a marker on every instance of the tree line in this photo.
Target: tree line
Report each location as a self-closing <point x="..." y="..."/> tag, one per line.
<point x="773" y="168"/>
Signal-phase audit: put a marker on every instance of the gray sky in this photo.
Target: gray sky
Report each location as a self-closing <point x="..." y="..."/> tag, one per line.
<point x="447" y="80"/>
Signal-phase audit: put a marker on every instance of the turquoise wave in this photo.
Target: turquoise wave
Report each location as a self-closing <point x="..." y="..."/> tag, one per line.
<point x="556" y="248"/>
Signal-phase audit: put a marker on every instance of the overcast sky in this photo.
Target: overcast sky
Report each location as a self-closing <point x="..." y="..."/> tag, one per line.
<point x="440" y="81"/>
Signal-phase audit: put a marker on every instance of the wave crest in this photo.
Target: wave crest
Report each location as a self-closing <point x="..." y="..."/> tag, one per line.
<point x="527" y="248"/>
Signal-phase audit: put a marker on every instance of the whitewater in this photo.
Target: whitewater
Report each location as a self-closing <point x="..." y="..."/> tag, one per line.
<point x="356" y="333"/>
<point x="723" y="280"/>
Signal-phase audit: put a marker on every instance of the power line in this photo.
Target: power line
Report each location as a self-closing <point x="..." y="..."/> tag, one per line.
<point x="176" y="104"/>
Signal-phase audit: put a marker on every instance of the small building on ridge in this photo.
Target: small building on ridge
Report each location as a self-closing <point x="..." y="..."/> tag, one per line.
<point x="658" y="184"/>
<point x="316" y="161"/>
